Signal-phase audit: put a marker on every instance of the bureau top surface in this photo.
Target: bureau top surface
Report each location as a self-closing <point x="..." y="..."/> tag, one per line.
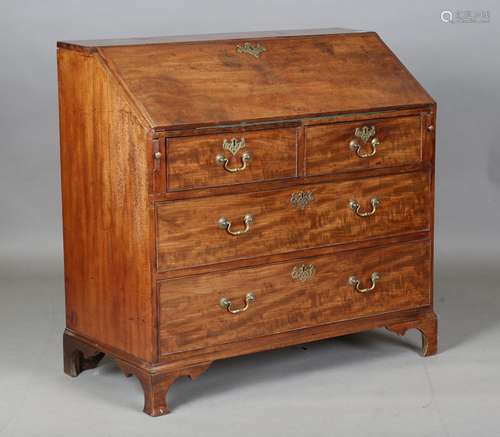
<point x="223" y="79"/>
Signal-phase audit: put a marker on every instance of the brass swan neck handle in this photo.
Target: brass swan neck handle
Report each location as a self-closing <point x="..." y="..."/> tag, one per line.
<point x="226" y="224"/>
<point x="355" y="283"/>
<point x="226" y="304"/>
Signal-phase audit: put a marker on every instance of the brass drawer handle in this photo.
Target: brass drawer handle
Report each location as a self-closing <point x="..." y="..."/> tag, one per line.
<point x="356" y="147"/>
<point x="245" y="159"/>
<point x="356" y="207"/>
<point x="226" y="224"/>
<point x="225" y="304"/>
<point x="233" y="146"/>
<point x="355" y="283"/>
<point x="364" y="133"/>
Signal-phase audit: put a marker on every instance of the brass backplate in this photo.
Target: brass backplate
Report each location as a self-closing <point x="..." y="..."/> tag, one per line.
<point x="365" y="132"/>
<point x="233" y="145"/>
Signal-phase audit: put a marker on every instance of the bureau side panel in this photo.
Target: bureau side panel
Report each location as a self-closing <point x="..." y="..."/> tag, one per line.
<point x="104" y="171"/>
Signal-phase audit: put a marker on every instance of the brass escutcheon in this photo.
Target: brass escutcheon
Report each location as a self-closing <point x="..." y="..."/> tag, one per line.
<point x="254" y="50"/>
<point x="233" y="145"/>
<point x="365" y="132"/>
<point x="300" y="199"/>
<point x="303" y="272"/>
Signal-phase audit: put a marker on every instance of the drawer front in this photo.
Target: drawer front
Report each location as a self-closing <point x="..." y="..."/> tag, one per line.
<point x="231" y="158"/>
<point x="292" y="295"/>
<point x="193" y="232"/>
<point x="363" y="145"/>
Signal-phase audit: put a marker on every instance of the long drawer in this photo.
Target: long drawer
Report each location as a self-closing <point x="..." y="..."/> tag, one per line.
<point x="195" y="312"/>
<point x="230" y="227"/>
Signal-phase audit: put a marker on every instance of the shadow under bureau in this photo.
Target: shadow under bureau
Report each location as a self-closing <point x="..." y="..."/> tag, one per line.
<point x="229" y="194"/>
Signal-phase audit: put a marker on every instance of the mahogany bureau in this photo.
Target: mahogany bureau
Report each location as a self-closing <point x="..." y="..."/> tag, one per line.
<point x="229" y="194"/>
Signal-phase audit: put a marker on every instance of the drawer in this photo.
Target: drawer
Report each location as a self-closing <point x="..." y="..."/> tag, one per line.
<point x="198" y="231"/>
<point x="292" y="295"/>
<point x="231" y="158"/>
<point x="363" y="145"/>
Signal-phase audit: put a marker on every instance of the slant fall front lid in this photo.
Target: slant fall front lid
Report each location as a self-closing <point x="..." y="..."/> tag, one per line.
<point x="193" y="83"/>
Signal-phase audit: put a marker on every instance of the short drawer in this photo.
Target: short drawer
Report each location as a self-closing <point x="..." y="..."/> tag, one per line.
<point x="231" y="158"/>
<point x="363" y="145"/>
<point x="230" y="227"/>
<point x="195" y="312"/>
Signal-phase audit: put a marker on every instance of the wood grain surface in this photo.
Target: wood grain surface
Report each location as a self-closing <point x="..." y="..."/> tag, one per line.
<point x="146" y="260"/>
<point x="210" y="82"/>
<point x="191" y="318"/>
<point x="188" y="232"/>
<point x="327" y="146"/>
<point x="106" y="222"/>
<point x="191" y="161"/>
